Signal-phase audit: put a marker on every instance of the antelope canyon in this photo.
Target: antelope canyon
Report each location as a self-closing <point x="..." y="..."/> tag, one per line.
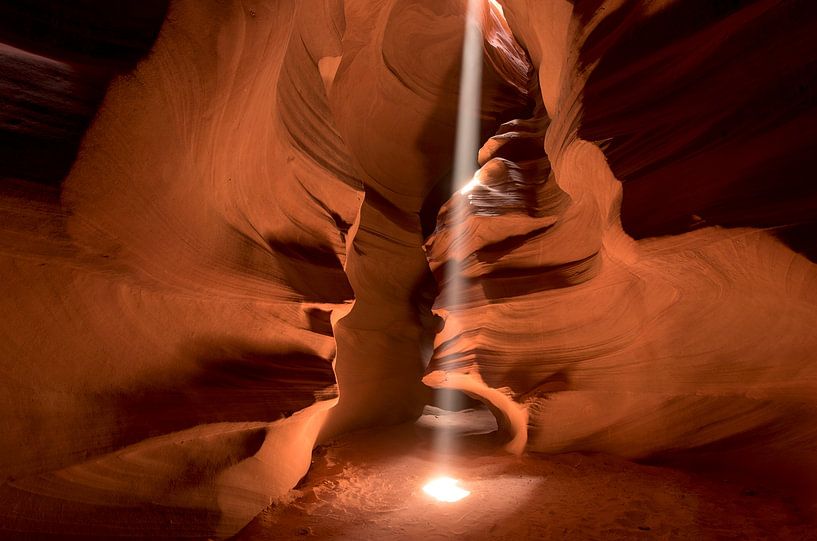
<point x="408" y="269"/>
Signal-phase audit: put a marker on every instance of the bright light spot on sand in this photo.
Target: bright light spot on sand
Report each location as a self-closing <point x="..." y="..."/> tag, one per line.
<point x="445" y="489"/>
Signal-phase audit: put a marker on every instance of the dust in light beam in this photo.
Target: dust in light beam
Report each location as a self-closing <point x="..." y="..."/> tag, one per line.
<point x="446" y="489"/>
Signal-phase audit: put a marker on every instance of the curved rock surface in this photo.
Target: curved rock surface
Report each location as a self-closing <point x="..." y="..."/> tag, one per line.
<point x="243" y="222"/>
<point x="174" y="302"/>
<point x="244" y="257"/>
<point x="583" y="339"/>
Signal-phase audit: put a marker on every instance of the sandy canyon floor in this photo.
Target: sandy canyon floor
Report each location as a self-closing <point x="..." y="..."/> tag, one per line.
<point x="368" y="485"/>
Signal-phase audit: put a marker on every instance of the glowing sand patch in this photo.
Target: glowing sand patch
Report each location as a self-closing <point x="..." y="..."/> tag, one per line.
<point x="445" y="489"/>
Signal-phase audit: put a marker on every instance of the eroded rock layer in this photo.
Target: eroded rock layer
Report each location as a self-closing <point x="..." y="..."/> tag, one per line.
<point x="583" y="339"/>
<point x="243" y="259"/>
<point x="172" y="348"/>
<point x="396" y="110"/>
<point x="240" y="234"/>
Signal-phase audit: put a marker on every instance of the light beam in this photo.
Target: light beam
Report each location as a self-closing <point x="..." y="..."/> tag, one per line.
<point x="465" y="166"/>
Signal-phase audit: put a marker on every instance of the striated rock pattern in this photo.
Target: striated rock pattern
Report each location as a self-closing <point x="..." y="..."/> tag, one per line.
<point x="57" y="59"/>
<point x="173" y="303"/>
<point x="583" y="339"/>
<point x="244" y="256"/>
<point x="402" y="145"/>
<point x="240" y="234"/>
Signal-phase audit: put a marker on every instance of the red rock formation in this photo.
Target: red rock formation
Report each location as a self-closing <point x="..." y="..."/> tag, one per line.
<point x="172" y="344"/>
<point x="584" y="339"/>
<point x="239" y="263"/>
<point x="181" y="297"/>
<point x="401" y="143"/>
<point x="57" y="58"/>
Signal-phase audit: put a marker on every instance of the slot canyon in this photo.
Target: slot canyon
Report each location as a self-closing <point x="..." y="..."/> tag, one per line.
<point x="245" y="295"/>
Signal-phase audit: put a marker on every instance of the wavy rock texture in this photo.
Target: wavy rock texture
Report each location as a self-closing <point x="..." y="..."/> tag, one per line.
<point x="581" y="338"/>
<point x="242" y="259"/>
<point x="57" y="60"/>
<point x="243" y="221"/>
<point x="171" y="345"/>
<point x="402" y="145"/>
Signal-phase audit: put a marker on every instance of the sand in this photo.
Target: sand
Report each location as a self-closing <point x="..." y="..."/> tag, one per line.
<point x="368" y="485"/>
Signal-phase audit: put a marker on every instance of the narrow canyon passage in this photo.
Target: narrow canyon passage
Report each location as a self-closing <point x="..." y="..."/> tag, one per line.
<point x="245" y="289"/>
